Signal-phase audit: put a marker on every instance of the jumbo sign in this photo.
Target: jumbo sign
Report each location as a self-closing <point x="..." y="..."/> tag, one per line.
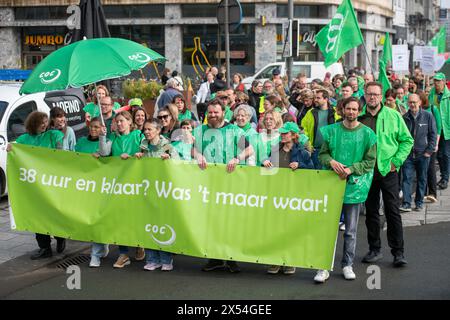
<point x="38" y="40"/>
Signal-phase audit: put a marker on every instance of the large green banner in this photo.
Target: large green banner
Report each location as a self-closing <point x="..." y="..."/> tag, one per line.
<point x="253" y="214"/>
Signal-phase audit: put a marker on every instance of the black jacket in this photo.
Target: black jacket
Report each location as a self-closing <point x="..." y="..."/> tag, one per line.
<point x="423" y="130"/>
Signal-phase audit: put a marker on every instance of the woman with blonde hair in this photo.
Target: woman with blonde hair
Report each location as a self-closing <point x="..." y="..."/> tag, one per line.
<point x="169" y="120"/>
<point x="92" y="109"/>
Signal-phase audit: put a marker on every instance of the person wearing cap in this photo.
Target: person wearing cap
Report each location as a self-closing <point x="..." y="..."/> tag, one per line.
<point x="276" y="74"/>
<point x="440" y="97"/>
<point x="288" y="153"/>
<point x="349" y="149"/>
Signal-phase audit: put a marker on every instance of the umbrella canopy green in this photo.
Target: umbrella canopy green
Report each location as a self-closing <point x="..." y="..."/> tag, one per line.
<point x="88" y="61"/>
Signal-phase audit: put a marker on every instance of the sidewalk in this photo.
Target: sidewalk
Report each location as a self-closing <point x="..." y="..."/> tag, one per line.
<point x="432" y="213"/>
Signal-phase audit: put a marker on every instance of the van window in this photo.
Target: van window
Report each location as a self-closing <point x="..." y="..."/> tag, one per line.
<point x="267" y="72"/>
<point x="16" y="122"/>
<point x="305" y="69"/>
<point x="3" y="106"/>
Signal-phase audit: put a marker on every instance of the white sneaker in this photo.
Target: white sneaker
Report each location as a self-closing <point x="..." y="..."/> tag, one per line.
<point x="152" y="266"/>
<point x="321" y="276"/>
<point x="95" y="262"/>
<point x="167" y="267"/>
<point x="342" y="226"/>
<point x="348" y="273"/>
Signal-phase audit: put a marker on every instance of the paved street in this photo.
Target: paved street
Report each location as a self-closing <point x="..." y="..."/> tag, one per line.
<point x="425" y="277"/>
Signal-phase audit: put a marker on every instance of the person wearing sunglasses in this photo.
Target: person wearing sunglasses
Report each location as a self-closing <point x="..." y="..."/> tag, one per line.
<point x="169" y="120"/>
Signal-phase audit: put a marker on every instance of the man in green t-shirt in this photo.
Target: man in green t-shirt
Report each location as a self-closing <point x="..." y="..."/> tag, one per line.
<point x="349" y="149"/>
<point x="220" y="142"/>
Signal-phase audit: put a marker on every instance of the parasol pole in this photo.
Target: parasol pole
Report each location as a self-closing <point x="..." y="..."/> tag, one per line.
<point x="98" y="103"/>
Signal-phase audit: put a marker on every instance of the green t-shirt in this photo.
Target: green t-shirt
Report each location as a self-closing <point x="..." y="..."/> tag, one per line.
<point x="219" y="145"/>
<point x="52" y="139"/>
<point x="129" y="143"/>
<point x="184" y="149"/>
<point x="84" y="145"/>
<point x="187" y="115"/>
<point x="94" y="110"/>
<point x="265" y="144"/>
<point x="355" y="148"/>
<point x="322" y="118"/>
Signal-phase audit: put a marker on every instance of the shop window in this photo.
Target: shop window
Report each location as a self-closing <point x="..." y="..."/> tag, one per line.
<point x="307" y="43"/>
<point x="202" y="46"/>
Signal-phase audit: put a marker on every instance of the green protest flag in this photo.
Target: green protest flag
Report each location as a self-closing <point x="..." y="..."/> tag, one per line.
<point x="340" y="35"/>
<point x="439" y="40"/>
<point x="384" y="61"/>
<point x="383" y="78"/>
<point x="387" y="50"/>
<point x="253" y="214"/>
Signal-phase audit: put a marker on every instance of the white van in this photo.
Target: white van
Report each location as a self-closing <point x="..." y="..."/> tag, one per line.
<point x="15" y="108"/>
<point x="312" y="70"/>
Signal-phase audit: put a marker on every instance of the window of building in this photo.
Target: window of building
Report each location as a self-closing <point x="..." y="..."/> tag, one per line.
<point x="210" y="10"/>
<point x="134" y="11"/>
<point x="303" y="11"/>
<point x="151" y="36"/>
<point x="40" y="13"/>
<point x="202" y="46"/>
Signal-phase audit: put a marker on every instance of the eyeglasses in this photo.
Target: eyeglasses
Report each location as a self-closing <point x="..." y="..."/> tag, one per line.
<point x="105" y="104"/>
<point x="373" y="94"/>
<point x="163" y="117"/>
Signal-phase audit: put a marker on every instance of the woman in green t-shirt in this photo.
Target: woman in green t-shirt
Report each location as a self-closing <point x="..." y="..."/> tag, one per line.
<point x="125" y="143"/>
<point x="37" y="135"/>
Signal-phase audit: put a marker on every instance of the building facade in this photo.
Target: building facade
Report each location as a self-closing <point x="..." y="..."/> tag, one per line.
<point x="186" y="31"/>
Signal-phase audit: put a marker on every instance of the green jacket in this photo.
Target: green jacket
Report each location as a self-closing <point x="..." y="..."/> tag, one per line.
<point x="310" y="122"/>
<point x="444" y="109"/>
<point x="394" y="141"/>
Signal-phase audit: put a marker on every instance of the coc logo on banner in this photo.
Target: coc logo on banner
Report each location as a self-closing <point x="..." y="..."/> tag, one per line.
<point x="156" y="232"/>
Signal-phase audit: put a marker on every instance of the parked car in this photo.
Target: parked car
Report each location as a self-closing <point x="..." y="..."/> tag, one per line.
<point x="311" y="69"/>
<point x="15" y="108"/>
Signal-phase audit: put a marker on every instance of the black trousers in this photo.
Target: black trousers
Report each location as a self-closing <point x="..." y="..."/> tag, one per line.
<point x="44" y="240"/>
<point x="432" y="181"/>
<point x="389" y="187"/>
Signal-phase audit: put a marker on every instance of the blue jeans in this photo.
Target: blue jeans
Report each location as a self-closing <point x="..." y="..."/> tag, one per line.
<point x="158" y="256"/>
<point x="123" y="250"/>
<point x="443" y="156"/>
<point x="98" y="249"/>
<point x="351" y="216"/>
<point x="418" y="164"/>
<point x="315" y="158"/>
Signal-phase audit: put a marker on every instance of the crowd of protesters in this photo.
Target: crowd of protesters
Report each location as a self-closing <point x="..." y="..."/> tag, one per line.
<point x="379" y="143"/>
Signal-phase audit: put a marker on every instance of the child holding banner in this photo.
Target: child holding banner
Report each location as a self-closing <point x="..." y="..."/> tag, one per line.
<point x="154" y="145"/>
<point x="37" y="135"/>
<point x="349" y="150"/>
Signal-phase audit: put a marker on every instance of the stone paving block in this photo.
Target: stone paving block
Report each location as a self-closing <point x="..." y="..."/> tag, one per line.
<point x="411" y="223"/>
<point x="24" y="248"/>
<point x="7" y="236"/>
<point x="438" y="212"/>
<point x="4" y="220"/>
<point x="437" y="218"/>
<point x="12" y="242"/>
